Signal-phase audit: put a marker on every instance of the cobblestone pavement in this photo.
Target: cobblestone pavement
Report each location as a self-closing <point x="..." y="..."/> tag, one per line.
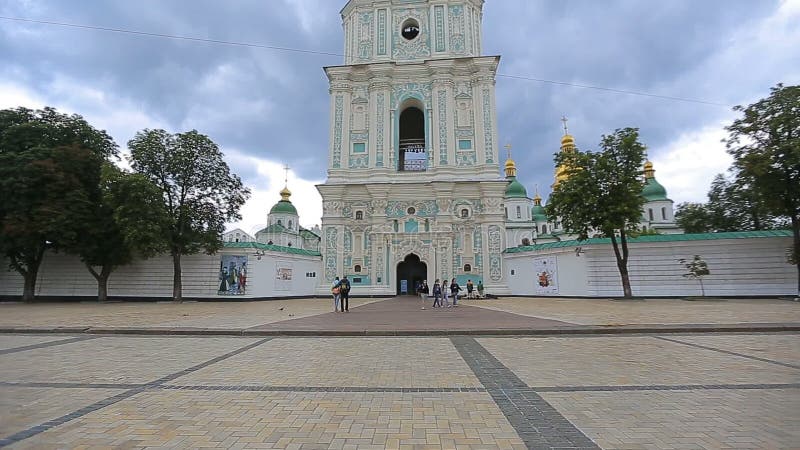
<point x="656" y="311"/>
<point x="309" y="314"/>
<point x="675" y="391"/>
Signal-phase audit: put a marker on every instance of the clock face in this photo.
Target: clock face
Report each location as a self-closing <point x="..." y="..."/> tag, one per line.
<point x="410" y="29"/>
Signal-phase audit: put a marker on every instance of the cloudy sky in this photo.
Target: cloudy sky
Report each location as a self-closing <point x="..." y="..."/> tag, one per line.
<point x="266" y="108"/>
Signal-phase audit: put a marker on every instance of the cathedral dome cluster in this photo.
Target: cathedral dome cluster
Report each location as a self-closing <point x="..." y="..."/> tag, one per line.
<point x="523" y="228"/>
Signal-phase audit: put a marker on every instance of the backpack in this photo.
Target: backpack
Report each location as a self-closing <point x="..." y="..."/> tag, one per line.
<point x="345" y="285"/>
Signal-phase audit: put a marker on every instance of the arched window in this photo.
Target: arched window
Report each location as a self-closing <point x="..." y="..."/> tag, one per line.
<point x="526" y="241"/>
<point x="357" y="269"/>
<point x="413" y="149"/>
<point x="464" y="213"/>
<point x="544" y="229"/>
<point x="427" y="225"/>
<point x="280" y="222"/>
<point x="519" y="212"/>
<point x="290" y="224"/>
<point x="359" y="215"/>
<point x="467" y="268"/>
<point x="396" y="226"/>
<point x="650" y="213"/>
<point x="664" y="213"/>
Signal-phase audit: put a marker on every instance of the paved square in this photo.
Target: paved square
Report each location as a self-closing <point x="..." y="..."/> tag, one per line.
<point x="701" y="419"/>
<point x="25" y="407"/>
<point x="368" y="362"/>
<point x="8" y="342"/>
<point x="222" y="419"/>
<point x="114" y="359"/>
<point x="627" y="360"/>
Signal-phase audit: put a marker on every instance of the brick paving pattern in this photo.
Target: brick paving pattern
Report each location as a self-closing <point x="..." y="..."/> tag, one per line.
<point x="672" y="391"/>
<point x="390" y="362"/>
<point x="627" y="360"/>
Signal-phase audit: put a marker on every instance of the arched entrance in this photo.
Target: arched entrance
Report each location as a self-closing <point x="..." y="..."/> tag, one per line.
<point x="410" y="271"/>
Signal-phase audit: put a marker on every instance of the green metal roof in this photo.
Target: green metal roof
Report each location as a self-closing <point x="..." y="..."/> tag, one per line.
<point x="538" y="213"/>
<point x="657" y="238"/>
<point x="653" y="190"/>
<point x="515" y="189"/>
<point x="283" y="206"/>
<point x="272" y="248"/>
<point x="308" y="233"/>
<point x="274" y="228"/>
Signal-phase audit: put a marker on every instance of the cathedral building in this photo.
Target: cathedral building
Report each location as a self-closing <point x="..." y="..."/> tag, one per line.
<point x="413" y="190"/>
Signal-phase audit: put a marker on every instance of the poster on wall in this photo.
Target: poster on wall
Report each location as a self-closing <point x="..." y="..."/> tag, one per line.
<point x="232" y="275"/>
<point x="546" y="275"/>
<point x="283" y="276"/>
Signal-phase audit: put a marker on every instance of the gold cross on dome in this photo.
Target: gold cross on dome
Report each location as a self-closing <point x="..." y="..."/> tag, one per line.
<point x="564" y="119"/>
<point x="286" y="175"/>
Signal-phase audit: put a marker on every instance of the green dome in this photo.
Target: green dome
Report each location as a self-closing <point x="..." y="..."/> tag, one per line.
<point x="283" y="207"/>
<point x="653" y="190"/>
<point x="515" y="189"/>
<point x="538" y="214"/>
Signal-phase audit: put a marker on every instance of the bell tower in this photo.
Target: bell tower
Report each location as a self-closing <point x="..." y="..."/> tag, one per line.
<point x="412" y="162"/>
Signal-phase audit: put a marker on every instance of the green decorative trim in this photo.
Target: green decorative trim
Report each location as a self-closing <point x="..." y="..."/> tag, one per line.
<point x="270" y="248"/>
<point x="439" y="17"/>
<point x="379" y="139"/>
<point x="381" y="32"/>
<point x="337" y="132"/>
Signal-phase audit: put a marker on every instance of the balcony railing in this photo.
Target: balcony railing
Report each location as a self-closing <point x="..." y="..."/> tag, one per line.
<point x="415" y="156"/>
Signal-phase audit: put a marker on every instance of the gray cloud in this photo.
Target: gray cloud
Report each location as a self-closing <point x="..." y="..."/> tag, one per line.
<point x="274" y="105"/>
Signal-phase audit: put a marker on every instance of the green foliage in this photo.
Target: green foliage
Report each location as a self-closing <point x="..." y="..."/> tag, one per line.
<point x="128" y="221"/>
<point x="602" y="193"/>
<point x="693" y="217"/>
<point x="49" y="180"/>
<point x="697" y="269"/>
<point x="765" y="144"/>
<point x="199" y="193"/>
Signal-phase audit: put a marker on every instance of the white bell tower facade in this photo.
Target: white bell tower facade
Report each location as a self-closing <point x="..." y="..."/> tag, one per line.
<point x="413" y="190"/>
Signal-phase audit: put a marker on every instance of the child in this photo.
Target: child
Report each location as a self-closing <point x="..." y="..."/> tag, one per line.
<point x="437" y="292"/>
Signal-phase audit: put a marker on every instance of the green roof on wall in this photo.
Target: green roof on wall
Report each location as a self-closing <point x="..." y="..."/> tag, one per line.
<point x="657" y="238"/>
<point x="272" y="248"/>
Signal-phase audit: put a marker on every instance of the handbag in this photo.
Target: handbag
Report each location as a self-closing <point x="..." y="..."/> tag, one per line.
<point x="335" y="290"/>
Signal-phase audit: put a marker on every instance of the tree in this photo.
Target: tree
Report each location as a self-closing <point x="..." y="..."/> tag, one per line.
<point x="198" y="190"/>
<point x="765" y="145"/>
<point x="693" y="217"/>
<point x="129" y="221"/>
<point x="602" y="194"/>
<point x="697" y="269"/>
<point x="49" y="177"/>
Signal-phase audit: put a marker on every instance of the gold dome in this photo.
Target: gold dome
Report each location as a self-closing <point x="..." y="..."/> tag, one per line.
<point x="567" y="140"/>
<point x="285" y="193"/>
<point x="649" y="172"/>
<point x="511" y="168"/>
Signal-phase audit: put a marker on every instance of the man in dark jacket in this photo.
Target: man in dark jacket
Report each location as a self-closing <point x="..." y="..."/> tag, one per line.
<point x="344" y="291"/>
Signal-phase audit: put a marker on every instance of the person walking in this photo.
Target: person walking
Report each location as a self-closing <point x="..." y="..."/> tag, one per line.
<point x="424" y="290"/>
<point x="454" y="288"/>
<point x="480" y="289"/>
<point x="470" y="288"/>
<point x="445" y="294"/>
<point x="437" y="292"/>
<point x="345" y="292"/>
<point x="336" y="292"/>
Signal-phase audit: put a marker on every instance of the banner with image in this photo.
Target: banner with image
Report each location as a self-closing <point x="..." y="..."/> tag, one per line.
<point x="232" y="275"/>
<point x="283" y="276"/>
<point x="545" y="275"/>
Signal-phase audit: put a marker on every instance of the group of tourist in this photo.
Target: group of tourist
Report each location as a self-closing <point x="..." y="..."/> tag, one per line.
<point x="442" y="293"/>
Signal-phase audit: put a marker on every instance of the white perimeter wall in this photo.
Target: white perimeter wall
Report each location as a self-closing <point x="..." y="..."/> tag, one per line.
<point x="739" y="267"/>
<point x="64" y="275"/>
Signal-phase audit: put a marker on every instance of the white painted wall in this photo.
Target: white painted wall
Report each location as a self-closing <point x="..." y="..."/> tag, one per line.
<point x="739" y="267"/>
<point x="64" y="276"/>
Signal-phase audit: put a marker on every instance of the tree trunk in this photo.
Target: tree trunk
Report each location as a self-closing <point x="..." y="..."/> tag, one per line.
<point x="102" y="281"/>
<point x="177" y="287"/>
<point x="796" y="242"/>
<point x="622" y="262"/>
<point x="29" y="269"/>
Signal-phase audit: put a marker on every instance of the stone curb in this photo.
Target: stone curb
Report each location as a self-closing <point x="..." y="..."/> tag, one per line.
<point x="574" y="330"/>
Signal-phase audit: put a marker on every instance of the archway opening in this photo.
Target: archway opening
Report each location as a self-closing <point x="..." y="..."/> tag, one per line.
<point x="410" y="272"/>
<point x="413" y="153"/>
